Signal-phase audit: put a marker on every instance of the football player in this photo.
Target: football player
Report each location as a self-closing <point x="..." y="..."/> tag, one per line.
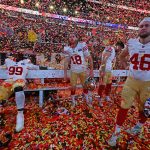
<point x="138" y="80"/>
<point x="17" y="71"/>
<point x="78" y="56"/>
<point x="105" y="79"/>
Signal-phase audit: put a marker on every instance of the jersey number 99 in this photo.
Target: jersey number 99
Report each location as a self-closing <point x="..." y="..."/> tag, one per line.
<point x="15" y="70"/>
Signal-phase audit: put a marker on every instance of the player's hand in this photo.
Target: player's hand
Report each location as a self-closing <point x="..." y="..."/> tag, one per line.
<point x="43" y="67"/>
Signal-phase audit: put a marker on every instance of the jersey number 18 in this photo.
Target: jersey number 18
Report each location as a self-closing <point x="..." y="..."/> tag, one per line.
<point x="76" y="59"/>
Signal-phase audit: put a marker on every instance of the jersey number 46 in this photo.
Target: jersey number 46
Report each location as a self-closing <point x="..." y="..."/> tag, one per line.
<point x="141" y="64"/>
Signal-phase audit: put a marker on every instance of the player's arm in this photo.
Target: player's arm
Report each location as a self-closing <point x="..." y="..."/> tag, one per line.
<point x="66" y="55"/>
<point x="123" y="57"/>
<point x="114" y="63"/>
<point x="66" y="64"/>
<point x="90" y="61"/>
<point x="106" y="55"/>
<point x="88" y="57"/>
<point x="3" y="67"/>
<point x="5" y="64"/>
<point x="36" y="67"/>
<point x="33" y="67"/>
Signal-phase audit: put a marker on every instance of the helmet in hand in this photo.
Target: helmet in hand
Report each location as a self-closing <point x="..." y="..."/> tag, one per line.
<point x="90" y="84"/>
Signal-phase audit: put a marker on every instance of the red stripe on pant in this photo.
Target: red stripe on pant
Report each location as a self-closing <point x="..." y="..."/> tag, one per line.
<point x="72" y="92"/>
<point x="122" y="114"/>
<point x="108" y="89"/>
<point x="85" y="91"/>
<point x="101" y="88"/>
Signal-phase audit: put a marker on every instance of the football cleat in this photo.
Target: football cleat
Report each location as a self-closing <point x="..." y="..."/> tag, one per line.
<point x="113" y="140"/>
<point x="135" y="130"/>
<point x="20" y="122"/>
<point x="107" y="98"/>
<point x="100" y="103"/>
<point x="74" y="103"/>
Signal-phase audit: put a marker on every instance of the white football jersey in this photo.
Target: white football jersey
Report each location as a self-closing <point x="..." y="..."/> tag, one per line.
<point x="77" y="56"/>
<point x="139" y="60"/>
<point x="18" y="70"/>
<point x="110" y="59"/>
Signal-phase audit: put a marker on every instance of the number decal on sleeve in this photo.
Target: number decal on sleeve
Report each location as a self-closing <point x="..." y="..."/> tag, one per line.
<point x="141" y="64"/>
<point x="76" y="59"/>
<point x="15" y="70"/>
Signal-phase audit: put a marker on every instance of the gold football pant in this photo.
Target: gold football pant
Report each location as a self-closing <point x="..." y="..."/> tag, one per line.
<point x="135" y="90"/>
<point x="7" y="87"/>
<point x="74" y="77"/>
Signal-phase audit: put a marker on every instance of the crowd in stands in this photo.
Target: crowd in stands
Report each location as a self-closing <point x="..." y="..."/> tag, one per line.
<point x="37" y="34"/>
<point x="104" y="11"/>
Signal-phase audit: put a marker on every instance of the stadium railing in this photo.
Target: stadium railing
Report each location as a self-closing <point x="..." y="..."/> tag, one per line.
<point x="45" y="74"/>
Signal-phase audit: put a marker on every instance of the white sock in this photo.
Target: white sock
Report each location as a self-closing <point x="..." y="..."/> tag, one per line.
<point x="107" y="97"/>
<point x="90" y="96"/>
<point x="117" y="129"/>
<point x="20" y="99"/>
<point x="87" y="98"/>
<point x="140" y="124"/>
<point x="73" y="98"/>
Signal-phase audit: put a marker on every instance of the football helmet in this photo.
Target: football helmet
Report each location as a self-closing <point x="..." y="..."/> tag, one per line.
<point x="62" y="110"/>
<point x="90" y="84"/>
<point x="147" y="108"/>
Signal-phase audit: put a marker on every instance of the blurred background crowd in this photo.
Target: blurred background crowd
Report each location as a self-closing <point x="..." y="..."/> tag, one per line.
<point x="40" y="36"/>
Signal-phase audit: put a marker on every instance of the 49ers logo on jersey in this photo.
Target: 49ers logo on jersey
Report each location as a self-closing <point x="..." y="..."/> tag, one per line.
<point x="76" y="59"/>
<point x="15" y="70"/>
<point x="141" y="64"/>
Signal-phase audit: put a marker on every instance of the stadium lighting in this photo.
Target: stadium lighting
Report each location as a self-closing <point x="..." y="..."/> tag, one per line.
<point x="64" y="9"/>
<point x="22" y="1"/>
<point x="37" y="4"/>
<point x="51" y="7"/>
<point x="76" y="12"/>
